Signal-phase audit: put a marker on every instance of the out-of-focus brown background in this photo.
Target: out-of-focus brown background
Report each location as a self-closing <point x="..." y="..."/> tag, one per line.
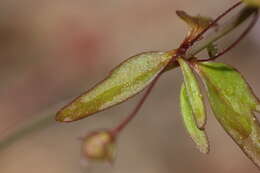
<point x="53" y="50"/>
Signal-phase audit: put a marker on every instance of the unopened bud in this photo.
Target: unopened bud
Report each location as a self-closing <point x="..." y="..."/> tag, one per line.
<point x="99" y="146"/>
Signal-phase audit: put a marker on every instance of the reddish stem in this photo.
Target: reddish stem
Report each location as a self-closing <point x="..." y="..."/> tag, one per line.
<point x="216" y="21"/>
<point x="187" y="44"/>
<point x="126" y="121"/>
<point x="247" y="30"/>
<point x="181" y="51"/>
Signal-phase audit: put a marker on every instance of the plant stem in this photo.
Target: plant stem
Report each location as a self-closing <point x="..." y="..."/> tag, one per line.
<point x="216" y="21"/>
<point x="24" y="130"/>
<point x="130" y="117"/>
<point x="187" y="44"/>
<point x="224" y="33"/>
<point x="45" y="121"/>
<point x="248" y="29"/>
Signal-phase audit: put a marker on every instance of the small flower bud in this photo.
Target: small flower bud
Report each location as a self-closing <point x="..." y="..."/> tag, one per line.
<point x="99" y="146"/>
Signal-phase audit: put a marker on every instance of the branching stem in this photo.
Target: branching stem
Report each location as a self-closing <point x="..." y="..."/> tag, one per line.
<point x="216" y="21"/>
<point x="180" y="52"/>
<point x="247" y="30"/>
<point x="187" y="44"/>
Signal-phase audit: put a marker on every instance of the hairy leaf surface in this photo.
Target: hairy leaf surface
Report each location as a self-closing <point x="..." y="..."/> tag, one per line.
<point x="197" y="135"/>
<point x="233" y="103"/>
<point x="194" y="93"/>
<point x="128" y="79"/>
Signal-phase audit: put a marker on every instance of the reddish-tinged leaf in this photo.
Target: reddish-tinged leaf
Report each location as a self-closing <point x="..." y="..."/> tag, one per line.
<point x="233" y="103"/>
<point x="196" y="23"/>
<point x="125" y="81"/>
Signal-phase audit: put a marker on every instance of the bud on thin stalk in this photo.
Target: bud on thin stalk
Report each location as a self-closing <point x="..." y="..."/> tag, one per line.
<point x="99" y="146"/>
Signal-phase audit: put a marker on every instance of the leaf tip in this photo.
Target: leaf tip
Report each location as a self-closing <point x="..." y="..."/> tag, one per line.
<point x="204" y="149"/>
<point x="201" y="123"/>
<point x="60" y="118"/>
<point x="181" y="13"/>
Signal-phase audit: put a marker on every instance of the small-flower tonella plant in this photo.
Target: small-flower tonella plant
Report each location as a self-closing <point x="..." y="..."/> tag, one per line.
<point x="231" y="99"/>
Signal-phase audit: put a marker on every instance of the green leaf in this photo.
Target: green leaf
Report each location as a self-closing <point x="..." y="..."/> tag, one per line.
<point x="233" y="103"/>
<point x="197" y="135"/>
<point x="194" y="93"/>
<point x="255" y="3"/>
<point x="125" y="81"/>
<point x="196" y="23"/>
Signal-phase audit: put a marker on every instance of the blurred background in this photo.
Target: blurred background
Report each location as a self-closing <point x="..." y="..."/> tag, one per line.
<point x="53" y="50"/>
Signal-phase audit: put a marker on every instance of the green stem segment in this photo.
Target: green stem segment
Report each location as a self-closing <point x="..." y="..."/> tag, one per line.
<point x="26" y="129"/>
